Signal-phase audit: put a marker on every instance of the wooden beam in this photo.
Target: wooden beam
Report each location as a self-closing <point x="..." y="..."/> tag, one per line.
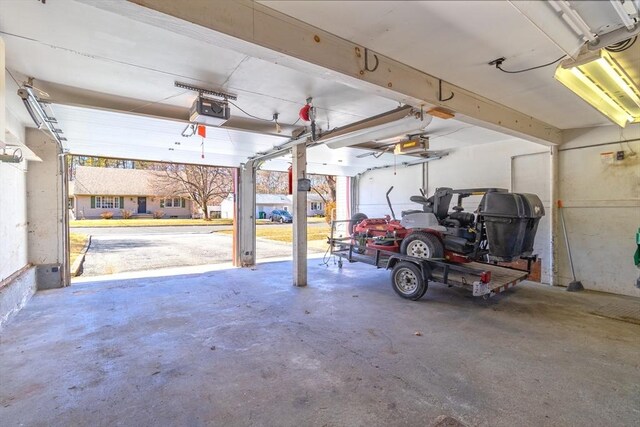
<point x="256" y="30"/>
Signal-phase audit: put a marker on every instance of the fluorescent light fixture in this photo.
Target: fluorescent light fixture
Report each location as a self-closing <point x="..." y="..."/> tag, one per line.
<point x="603" y="83"/>
<point x="573" y="19"/>
<point x="623" y="14"/>
<point x="397" y="123"/>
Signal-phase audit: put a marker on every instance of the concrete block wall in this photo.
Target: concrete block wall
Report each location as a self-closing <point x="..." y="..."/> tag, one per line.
<point x="602" y="208"/>
<point x="17" y="278"/>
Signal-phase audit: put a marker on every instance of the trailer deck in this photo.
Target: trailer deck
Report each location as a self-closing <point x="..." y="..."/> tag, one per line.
<point x="482" y="279"/>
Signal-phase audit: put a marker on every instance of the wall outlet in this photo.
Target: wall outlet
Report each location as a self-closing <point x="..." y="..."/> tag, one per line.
<point x="620" y="155"/>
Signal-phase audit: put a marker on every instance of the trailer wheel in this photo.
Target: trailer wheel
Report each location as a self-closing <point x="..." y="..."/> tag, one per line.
<point x="407" y="281"/>
<point x="422" y="245"/>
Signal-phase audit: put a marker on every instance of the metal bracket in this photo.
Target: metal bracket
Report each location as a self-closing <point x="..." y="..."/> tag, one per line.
<point x="366" y="61"/>
<point x="204" y="91"/>
<point x="440" y="98"/>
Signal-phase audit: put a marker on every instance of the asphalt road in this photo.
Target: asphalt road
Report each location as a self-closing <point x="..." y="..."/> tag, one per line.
<point x="185" y="229"/>
<point x="116" y="252"/>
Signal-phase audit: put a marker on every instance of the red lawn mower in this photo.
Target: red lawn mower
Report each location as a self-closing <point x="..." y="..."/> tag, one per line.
<point x="502" y="228"/>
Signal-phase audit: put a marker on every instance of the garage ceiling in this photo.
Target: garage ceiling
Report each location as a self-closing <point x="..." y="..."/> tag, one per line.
<point x="93" y="132"/>
<point x="454" y="40"/>
<point x="95" y="50"/>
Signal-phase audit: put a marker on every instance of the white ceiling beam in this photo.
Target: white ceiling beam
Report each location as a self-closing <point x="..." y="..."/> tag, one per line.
<point x="256" y="30"/>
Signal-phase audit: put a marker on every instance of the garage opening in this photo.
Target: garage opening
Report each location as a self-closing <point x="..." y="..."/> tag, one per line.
<point x="134" y="215"/>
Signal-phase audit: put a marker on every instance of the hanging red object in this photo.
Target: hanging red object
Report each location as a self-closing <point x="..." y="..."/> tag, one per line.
<point x="305" y="113"/>
<point x="290" y="179"/>
<point x="202" y="131"/>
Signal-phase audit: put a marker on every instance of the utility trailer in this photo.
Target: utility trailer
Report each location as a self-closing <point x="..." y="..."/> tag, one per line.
<point x="410" y="276"/>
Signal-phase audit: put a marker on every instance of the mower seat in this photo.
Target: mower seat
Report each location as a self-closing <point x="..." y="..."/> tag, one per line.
<point x="440" y="202"/>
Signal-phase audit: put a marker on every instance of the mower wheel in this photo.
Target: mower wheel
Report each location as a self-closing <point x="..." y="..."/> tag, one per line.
<point x="355" y="220"/>
<point x="422" y="245"/>
<point x="407" y="281"/>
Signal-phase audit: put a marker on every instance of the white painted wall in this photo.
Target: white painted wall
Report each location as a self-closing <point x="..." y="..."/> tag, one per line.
<point x="13" y="218"/>
<point x="602" y="209"/>
<point x="486" y="165"/>
<point x="16" y="285"/>
<point x="602" y="202"/>
<point x="497" y="165"/>
<point x="44" y="202"/>
<point x="373" y="185"/>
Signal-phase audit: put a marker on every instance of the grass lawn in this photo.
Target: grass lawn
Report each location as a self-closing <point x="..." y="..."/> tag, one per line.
<point x="146" y="222"/>
<point x="77" y="240"/>
<point x="282" y="234"/>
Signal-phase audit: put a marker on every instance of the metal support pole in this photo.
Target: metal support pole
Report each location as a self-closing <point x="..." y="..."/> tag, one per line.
<point x="555" y="229"/>
<point x="66" y="256"/>
<point x="299" y="160"/>
<point x="245" y="216"/>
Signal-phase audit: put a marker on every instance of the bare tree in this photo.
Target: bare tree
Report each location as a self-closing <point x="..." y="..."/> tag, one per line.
<point x="202" y="184"/>
<point x="325" y="186"/>
<point x="272" y="182"/>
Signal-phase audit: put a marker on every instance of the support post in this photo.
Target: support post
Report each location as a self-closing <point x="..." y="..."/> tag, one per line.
<point x="299" y="160"/>
<point x="555" y="230"/>
<point x="245" y="226"/>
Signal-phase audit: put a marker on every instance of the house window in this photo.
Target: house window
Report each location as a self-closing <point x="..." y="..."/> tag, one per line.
<point x="316" y="206"/>
<point x="174" y="202"/>
<point x="107" y="202"/>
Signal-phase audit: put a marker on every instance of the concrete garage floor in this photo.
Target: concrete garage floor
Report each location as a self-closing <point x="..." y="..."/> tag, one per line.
<point x="121" y="250"/>
<point x="243" y="347"/>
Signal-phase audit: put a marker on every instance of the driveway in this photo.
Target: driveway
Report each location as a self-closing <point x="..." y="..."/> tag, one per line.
<point x="137" y="249"/>
<point x="185" y="229"/>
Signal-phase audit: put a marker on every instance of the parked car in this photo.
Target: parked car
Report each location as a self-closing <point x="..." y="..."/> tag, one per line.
<point x="280" y="216"/>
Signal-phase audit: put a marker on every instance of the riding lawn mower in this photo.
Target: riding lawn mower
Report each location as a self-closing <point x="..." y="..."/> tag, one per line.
<point x="502" y="229"/>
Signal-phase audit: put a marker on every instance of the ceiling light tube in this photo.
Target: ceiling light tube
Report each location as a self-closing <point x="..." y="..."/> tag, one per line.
<point x="603" y="83"/>
<point x="399" y="122"/>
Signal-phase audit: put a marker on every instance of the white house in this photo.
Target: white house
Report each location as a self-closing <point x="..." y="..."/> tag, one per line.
<point x="97" y="190"/>
<point x="266" y="203"/>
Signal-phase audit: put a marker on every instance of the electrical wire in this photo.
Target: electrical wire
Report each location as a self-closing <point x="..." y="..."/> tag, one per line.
<point x="622" y="46"/>
<point x="249" y="114"/>
<point x="12" y="77"/>
<point x="499" y="66"/>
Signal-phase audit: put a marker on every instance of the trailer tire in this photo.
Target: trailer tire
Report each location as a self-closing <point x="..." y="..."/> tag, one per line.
<point x="407" y="280"/>
<point x="422" y="245"/>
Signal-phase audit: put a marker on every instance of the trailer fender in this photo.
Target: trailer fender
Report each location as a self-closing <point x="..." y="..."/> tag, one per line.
<point x="424" y="267"/>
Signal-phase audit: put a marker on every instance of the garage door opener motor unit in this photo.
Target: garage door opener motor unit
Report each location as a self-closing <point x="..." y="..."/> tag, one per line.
<point x="209" y="111"/>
